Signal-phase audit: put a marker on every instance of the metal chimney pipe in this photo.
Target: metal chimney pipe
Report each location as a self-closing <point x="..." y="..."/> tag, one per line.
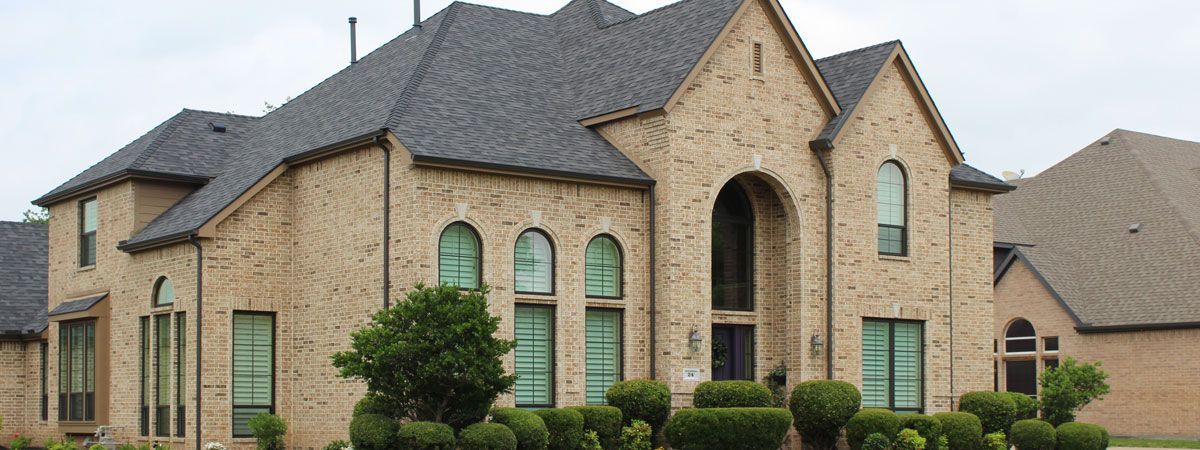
<point x="417" y="13"/>
<point x="353" y="41"/>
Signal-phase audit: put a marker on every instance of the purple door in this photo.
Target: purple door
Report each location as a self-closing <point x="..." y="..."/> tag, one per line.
<point x="732" y="352"/>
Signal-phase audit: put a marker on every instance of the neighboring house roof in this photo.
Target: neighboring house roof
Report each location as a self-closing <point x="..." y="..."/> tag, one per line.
<point x="23" y="270"/>
<point x="1072" y="223"/>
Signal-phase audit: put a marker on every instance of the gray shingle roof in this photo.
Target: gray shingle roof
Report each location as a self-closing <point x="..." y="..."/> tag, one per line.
<point x="23" y="270"/>
<point x="969" y="176"/>
<point x="1077" y="214"/>
<point x="849" y="75"/>
<point x="73" y="306"/>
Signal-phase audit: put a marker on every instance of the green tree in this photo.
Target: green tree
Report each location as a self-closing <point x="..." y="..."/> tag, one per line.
<point x="434" y="357"/>
<point x="1069" y="387"/>
<point x="40" y="215"/>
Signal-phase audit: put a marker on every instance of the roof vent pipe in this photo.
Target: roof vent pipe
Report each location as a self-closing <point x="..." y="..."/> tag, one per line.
<point x="417" y="13"/>
<point x="353" y="42"/>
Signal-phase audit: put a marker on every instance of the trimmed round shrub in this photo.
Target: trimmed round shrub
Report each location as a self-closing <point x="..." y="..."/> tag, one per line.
<point x="565" y="427"/>
<point x="1079" y="436"/>
<point x="725" y="428"/>
<point x="1027" y="407"/>
<point x="487" y="436"/>
<point x="426" y="436"/>
<point x="731" y="394"/>
<point x="1033" y="434"/>
<point x="996" y="410"/>
<point x="963" y="431"/>
<point x="820" y="408"/>
<point x="529" y="429"/>
<point x="373" y="432"/>
<point x="928" y="427"/>
<point x="876" y="441"/>
<point x="1103" y="436"/>
<point x="605" y="421"/>
<point x="645" y="400"/>
<point x="870" y="421"/>
<point x="371" y="404"/>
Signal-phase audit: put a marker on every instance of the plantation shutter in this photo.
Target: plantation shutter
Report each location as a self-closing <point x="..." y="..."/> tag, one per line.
<point x="162" y="372"/>
<point x="876" y="370"/>
<point x="534" y="356"/>
<point x="180" y="372"/>
<point x="533" y="263"/>
<point x="906" y="366"/>
<point x="603" y="353"/>
<point x="458" y="257"/>
<point x="144" y="409"/>
<point x="253" y="368"/>
<point x="602" y="268"/>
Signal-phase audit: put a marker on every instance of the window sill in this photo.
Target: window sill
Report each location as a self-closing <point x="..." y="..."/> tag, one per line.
<point x="895" y="258"/>
<point x="86" y="268"/>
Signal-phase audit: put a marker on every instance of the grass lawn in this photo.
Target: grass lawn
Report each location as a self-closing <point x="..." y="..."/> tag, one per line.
<point x="1160" y="443"/>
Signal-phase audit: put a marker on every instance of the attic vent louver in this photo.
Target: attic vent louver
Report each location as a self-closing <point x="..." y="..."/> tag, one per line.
<point x="217" y="127"/>
<point x="756" y="62"/>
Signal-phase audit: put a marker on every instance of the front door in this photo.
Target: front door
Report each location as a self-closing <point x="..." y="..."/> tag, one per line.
<point x="732" y="352"/>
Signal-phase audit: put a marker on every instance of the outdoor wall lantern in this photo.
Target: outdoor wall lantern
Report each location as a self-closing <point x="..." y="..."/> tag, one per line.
<point x="694" y="340"/>
<point x="816" y="344"/>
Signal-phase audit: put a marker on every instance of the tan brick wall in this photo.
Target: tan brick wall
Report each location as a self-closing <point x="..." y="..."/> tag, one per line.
<point x="1152" y="374"/>
<point x="15" y="389"/>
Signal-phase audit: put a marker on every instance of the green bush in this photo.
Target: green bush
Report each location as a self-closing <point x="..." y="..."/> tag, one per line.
<point x="1033" y="434"/>
<point x="529" y="429"/>
<point x="19" y="443"/>
<point x="268" y="431"/>
<point x="335" y="445"/>
<point x="1079" y="436"/>
<point x="963" y="431"/>
<point x="725" y="428"/>
<point x="994" y="441"/>
<point x="565" y="427"/>
<point x="373" y="432"/>
<point x="1027" y="407"/>
<point x="928" y="427"/>
<point x="1069" y="387"/>
<point x="645" y="400"/>
<point x="869" y="421"/>
<point x="995" y="410"/>
<point x="426" y="436"/>
<point x="487" y="436"/>
<point x="1103" y="436"/>
<point x="591" y="441"/>
<point x="605" y="421"/>
<point x="373" y="403"/>
<point x="877" y="441"/>
<point x="820" y="408"/>
<point x="636" y="436"/>
<point x="909" y="439"/>
<point x="731" y="394"/>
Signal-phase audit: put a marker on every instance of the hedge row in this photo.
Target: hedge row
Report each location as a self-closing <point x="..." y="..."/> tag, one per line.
<point x="725" y="428"/>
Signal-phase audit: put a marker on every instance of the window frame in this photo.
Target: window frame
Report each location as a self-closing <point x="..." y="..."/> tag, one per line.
<point x="84" y="235"/>
<point x="162" y="428"/>
<point x="750" y="222"/>
<point x="1046" y="340"/>
<point x="478" y="256"/>
<point x="553" y="363"/>
<point x="1032" y="338"/>
<point x="180" y="374"/>
<point x="620" y="348"/>
<point x="158" y="284"/>
<point x="143" y="376"/>
<point x="903" y="210"/>
<point x="274" y="368"/>
<point x="66" y="370"/>
<point x="553" y="262"/>
<point x="620" y="267"/>
<point x="44" y="350"/>
<point x="891" y="393"/>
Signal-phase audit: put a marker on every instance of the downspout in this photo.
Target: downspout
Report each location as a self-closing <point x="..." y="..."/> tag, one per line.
<point x="950" y="275"/>
<point x="653" y="290"/>
<point x="199" y="314"/>
<point x="387" y="208"/>
<point x="828" y="263"/>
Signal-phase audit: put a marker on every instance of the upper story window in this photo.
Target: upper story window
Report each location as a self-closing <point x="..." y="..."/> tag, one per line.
<point x="87" y="232"/>
<point x="732" y="250"/>
<point x="891" y="204"/>
<point x="459" y="259"/>
<point x="533" y="263"/>
<point x="602" y="267"/>
<point x="164" y="292"/>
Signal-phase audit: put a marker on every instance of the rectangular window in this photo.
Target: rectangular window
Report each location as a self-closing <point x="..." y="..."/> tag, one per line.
<point x="45" y="351"/>
<point x="892" y="365"/>
<point x="162" y="375"/>
<point x="1050" y="364"/>
<point x="180" y="373"/>
<point x="534" y="326"/>
<point x="144" y="378"/>
<point x="1050" y="344"/>
<point x="603" y="352"/>
<point x="253" y="368"/>
<point x="1021" y="376"/>
<point x="87" y="232"/>
<point x="76" y="371"/>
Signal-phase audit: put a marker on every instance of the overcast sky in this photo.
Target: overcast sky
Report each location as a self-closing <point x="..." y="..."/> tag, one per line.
<point x="1022" y="84"/>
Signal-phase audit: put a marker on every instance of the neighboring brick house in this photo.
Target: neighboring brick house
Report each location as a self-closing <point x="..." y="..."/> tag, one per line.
<point x="23" y="349"/>
<point x="587" y="165"/>
<point x="1098" y="258"/>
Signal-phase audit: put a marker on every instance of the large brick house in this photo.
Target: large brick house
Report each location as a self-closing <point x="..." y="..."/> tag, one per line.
<point x="641" y="192"/>
<point x="1098" y="258"/>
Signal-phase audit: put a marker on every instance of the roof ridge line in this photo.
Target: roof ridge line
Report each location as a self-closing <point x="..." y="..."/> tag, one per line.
<point x="655" y="10"/>
<point x="232" y="114"/>
<point x="597" y="16"/>
<point x="410" y="88"/>
<point x="861" y="49"/>
<point x="1157" y="186"/>
<point x="497" y="8"/>
<point x="158" y="140"/>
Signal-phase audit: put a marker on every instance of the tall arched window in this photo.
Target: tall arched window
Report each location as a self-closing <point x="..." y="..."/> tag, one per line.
<point x="732" y="250"/>
<point x="164" y="292"/>
<point x="533" y="263"/>
<point x="1020" y="358"/>
<point x="602" y="267"/>
<point x="459" y="258"/>
<point x="890" y="205"/>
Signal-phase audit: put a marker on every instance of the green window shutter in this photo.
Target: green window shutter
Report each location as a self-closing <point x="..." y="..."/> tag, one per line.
<point x="534" y="327"/>
<point x="458" y="257"/>
<point x="144" y="372"/>
<point x="162" y="375"/>
<point x="253" y="368"/>
<point x="876" y="370"/>
<point x="603" y="353"/>
<point x="533" y="264"/>
<point x="180" y="372"/>
<point x="602" y="268"/>
<point x="906" y="365"/>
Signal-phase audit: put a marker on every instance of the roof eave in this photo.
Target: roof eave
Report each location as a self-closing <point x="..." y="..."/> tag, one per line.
<point x="116" y="177"/>
<point x="436" y="161"/>
<point x="148" y="244"/>
<point x="978" y="186"/>
<point x="1126" y="328"/>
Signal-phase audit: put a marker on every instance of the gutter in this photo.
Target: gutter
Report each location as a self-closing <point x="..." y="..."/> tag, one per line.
<point x="950" y="276"/>
<point x="387" y="208"/>
<point x="199" y="335"/>
<point x="120" y="175"/>
<point x="978" y="186"/>
<point x="816" y="148"/>
<point x="520" y="170"/>
<point x="653" y="289"/>
<point x="1091" y="329"/>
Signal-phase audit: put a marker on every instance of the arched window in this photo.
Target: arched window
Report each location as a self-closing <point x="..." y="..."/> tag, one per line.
<point x="732" y="250"/>
<point x="1020" y="360"/>
<point x="1020" y="337"/>
<point x="890" y="209"/>
<point x="459" y="258"/>
<point x="602" y="268"/>
<point x="164" y="292"/>
<point x="533" y="263"/>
